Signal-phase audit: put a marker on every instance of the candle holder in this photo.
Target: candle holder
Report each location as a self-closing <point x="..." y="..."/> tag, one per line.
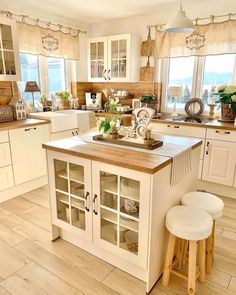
<point x="212" y="111"/>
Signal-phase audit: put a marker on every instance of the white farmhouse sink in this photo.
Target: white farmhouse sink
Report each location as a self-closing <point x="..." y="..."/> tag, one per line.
<point x="60" y="120"/>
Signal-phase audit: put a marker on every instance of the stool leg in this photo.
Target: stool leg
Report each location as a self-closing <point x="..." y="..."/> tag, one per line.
<point x="202" y="260"/>
<point x="169" y="260"/>
<point x="185" y="251"/>
<point x="209" y="249"/>
<point x="192" y="267"/>
<point x="179" y="253"/>
<point x="213" y="239"/>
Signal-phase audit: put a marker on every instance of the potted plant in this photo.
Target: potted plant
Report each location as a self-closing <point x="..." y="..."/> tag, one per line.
<point x="65" y="100"/>
<point x="148" y="139"/>
<point x="108" y="125"/>
<point x="227" y="98"/>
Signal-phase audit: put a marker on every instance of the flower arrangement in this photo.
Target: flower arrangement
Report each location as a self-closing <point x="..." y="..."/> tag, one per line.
<point x="64" y="95"/>
<point x="109" y="124"/>
<point x="227" y="95"/>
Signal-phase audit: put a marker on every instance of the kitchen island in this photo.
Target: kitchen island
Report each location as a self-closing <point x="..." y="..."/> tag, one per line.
<point x="112" y="201"/>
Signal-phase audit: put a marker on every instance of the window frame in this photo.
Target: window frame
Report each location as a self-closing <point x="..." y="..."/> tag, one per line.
<point x="197" y="81"/>
<point x="69" y="70"/>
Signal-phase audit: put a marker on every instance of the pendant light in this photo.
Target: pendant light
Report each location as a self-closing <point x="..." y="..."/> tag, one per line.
<point x="180" y="22"/>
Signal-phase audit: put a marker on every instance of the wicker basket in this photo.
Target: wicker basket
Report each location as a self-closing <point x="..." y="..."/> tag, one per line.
<point x="6" y="114"/>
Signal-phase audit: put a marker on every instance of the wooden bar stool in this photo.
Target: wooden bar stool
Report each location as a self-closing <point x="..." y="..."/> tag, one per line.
<point x="213" y="206"/>
<point x="194" y="225"/>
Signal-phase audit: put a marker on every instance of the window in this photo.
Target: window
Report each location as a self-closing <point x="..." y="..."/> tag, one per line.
<point x="181" y="73"/>
<point x="218" y="71"/>
<point x="30" y="72"/>
<point x="51" y="74"/>
<point x="199" y="76"/>
<point x="56" y="74"/>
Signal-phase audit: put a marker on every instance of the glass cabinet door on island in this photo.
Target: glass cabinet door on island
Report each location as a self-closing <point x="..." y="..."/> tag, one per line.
<point x="72" y="198"/>
<point x="120" y="205"/>
<point x="9" y="51"/>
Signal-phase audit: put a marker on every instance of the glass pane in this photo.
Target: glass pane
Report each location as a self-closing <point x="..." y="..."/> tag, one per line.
<point x="122" y="49"/>
<point x="108" y="183"/>
<point x="1" y="64"/>
<point x="76" y="173"/>
<point x="109" y="200"/>
<point x="129" y="240"/>
<point x="63" y="211"/>
<point x="114" y="69"/>
<point x="93" y="49"/>
<point x="9" y="63"/>
<point x="130" y="188"/>
<point x="181" y="73"/>
<point x="218" y="71"/>
<point x="100" y="50"/>
<point x="6" y="37"/>
<point x="114" y="49"/>
<point x="109" y="231"/>
<point x="122" y="68"/>
<point x="77" y="218"/>
<point x="61" y="175"/>
<point x="29" y="72"/>
<point x="94" y="69"/>
<point x="56" y="74"/>
<point x="100" y="69"/>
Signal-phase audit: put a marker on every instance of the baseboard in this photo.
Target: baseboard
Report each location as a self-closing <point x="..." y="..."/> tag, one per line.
<point x="219" y="189"/>
<point x="22" y="188"/>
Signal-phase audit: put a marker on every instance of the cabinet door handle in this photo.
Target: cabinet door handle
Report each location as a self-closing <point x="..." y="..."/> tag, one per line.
<point x="77" y="132"/>
<point x="109" y="77"/>
<point x="207" y="148"/>
<point x="33" y="128"/>
<point x="105" y="74"/>
<point x="73" y="133"/>
<point x="173" y="126"/>
<point x="86" y="201"/>
<point x="222" y="132"/>
<point x="94" y="203"/>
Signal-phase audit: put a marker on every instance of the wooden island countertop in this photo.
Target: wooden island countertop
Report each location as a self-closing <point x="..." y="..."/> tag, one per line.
<point x="123" y="157"/>
<point x="22" y="124"/>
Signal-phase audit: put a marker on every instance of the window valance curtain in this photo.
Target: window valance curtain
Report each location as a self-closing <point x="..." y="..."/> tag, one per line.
<point x="37" y="40"/>
<point x="209" y="39"/>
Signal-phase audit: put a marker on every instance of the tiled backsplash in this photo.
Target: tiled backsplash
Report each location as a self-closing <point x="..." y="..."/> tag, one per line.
<point x="135" y="90"/>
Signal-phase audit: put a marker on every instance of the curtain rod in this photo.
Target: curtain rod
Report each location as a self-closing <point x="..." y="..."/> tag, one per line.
<point x="210" y="18"/>
<point x="38" y="23"/>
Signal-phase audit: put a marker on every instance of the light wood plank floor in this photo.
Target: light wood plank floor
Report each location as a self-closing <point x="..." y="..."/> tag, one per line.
<point x="31" y="264"/>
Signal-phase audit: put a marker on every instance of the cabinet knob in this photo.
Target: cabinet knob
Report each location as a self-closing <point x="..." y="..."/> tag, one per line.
<point x="94" y="204"/>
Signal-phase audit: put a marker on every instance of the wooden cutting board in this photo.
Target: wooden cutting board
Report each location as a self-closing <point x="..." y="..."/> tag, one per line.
<point x="147" y="72"/>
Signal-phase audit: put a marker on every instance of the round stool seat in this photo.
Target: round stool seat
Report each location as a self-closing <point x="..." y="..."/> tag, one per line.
<point x="189" y="223"/>
<point x="205" y="201"/>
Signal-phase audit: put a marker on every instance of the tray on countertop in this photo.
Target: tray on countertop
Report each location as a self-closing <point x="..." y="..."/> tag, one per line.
<point x="155" y="144"/>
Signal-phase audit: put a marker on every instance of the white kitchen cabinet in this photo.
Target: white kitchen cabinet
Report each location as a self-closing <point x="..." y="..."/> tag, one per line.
<point x="219" y="162"/>
<point x="5" y="154"/>
<point x="6" y="178"/>
<point x="28" y="157"/>
<point x="114" y="58"/>
<point x="101" y="203"/>
<point x="9" y="51"/>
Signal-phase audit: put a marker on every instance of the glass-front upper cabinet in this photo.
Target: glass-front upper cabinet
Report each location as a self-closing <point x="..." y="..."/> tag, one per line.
<point x="121" y="211"/>
<point x="110" y="58"/>
<point x="9" y="51"/>
<point x="97" y="65"/>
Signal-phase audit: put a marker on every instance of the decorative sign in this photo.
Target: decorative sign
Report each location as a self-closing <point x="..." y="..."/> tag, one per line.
<point x="50" y="43"/>
<point x="195" y="41"/>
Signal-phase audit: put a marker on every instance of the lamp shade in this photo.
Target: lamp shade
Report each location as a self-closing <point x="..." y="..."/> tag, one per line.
<point x="179" y="23"/>
<point x="175" y="91"/>
<point x="31" y="86"/>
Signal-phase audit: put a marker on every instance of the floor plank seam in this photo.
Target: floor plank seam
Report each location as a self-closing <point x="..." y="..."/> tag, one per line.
<point x="107" y="275"/>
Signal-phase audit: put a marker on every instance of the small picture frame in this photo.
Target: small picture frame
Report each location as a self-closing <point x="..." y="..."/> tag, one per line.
<point x="136" y="103"/>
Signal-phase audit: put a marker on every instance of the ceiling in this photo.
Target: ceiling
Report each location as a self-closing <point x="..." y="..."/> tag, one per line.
<point x="89" y="11"/>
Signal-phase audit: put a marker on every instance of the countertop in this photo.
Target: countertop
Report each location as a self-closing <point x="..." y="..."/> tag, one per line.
<point x="22" y="124"/>
<point x="134" y="159"/>
<point x="209" y="124"/>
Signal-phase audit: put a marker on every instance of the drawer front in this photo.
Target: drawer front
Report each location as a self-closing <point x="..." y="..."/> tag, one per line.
<point x="176" y="129"/>
<point x="6" y="178"/>
<point x="4" y="136"/>
<point x="221" y="134"/>
<point x="5" y="155"/>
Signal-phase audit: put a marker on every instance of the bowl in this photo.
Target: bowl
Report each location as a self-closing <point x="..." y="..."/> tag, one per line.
<point x="131" y="239"/>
